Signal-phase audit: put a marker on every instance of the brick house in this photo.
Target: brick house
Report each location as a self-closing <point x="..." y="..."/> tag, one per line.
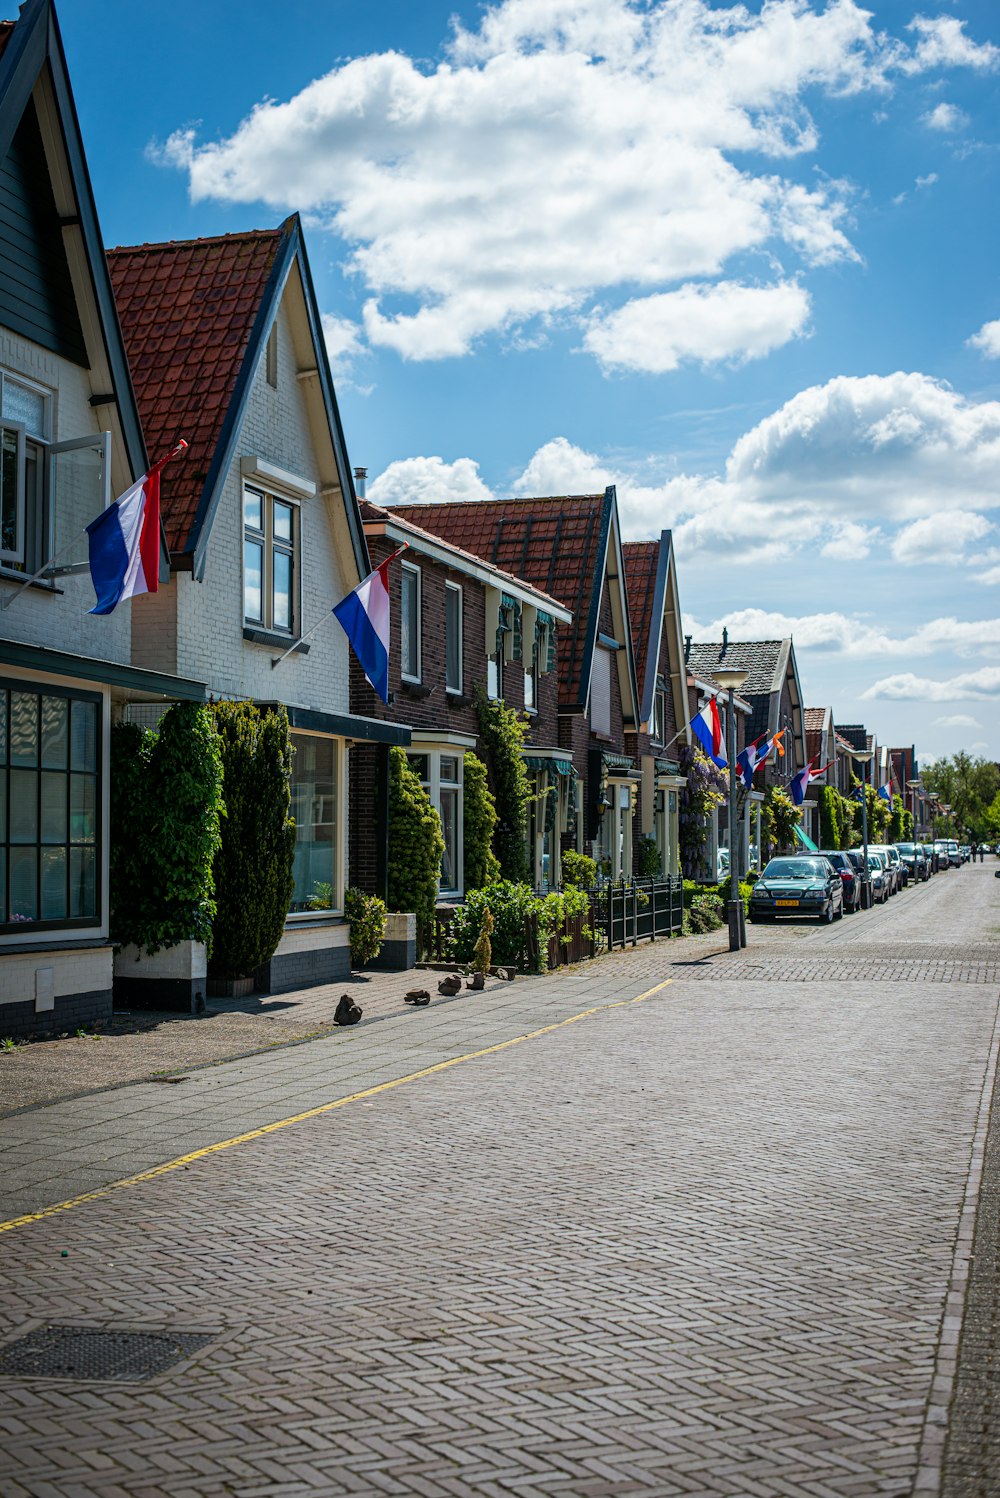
<point x="451" y="611"/>
<point x="571" y="548"/>
<point x="821" y="753"/>
<point x="655" y="613"/>
<point x="70" y="438"/>
<point x="226" y="348"/>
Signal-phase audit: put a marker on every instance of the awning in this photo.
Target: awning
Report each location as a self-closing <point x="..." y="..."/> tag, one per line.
<point x="544" y="762"/>
<point x="107" y="673"/>
<point x="345" y="725"/>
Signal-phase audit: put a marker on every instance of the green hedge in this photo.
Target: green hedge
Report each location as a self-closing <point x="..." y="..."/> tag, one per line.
<point x="416" y="845"/>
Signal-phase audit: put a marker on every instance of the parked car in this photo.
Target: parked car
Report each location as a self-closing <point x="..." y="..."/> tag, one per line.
<point x="966" y="851"/>
<point x="850" y="877"/>
<point x="880" y="877"/>
<point x="931" y="854"/>
<point x="954" y="854"/>
<point x="802" y="885"/>
<point x="915" y="860"/>
<point x="894" y="865"/>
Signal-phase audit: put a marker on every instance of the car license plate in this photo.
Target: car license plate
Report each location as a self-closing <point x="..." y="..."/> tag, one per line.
<point x="786" y="902"/>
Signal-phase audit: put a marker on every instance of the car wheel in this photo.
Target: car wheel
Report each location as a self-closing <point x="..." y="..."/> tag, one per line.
<point x="840" y="912"/>
<point x="827" y="915"/>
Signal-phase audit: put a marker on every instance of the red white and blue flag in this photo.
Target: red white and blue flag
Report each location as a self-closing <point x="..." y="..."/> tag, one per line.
<point x="800" y="782"/>
<point x="747" y="761"/>
<point x="885" y="793"/>
<point x="364" y="617"/>
<point x="124" y="542"/>
<point x="707" y="729"/>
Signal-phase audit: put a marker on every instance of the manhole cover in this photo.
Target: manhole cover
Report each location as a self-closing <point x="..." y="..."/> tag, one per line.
<point x="85" y="1353"/>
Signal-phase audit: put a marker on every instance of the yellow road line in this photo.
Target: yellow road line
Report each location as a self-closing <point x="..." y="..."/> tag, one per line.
<point x="341" y="1102"/>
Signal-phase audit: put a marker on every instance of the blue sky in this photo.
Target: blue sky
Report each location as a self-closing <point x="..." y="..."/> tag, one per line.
<point x="740" y="261"/>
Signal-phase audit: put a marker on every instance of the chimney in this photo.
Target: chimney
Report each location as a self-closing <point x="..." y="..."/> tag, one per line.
<point x="725" y="642"/>
<point x="687" y="648"/>
<point x="360" y="482"/>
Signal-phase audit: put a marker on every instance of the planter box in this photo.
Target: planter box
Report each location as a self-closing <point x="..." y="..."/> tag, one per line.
<point x="399" y="945"/>
<point x="175" y="979"/>
<point x="231" y="988"/>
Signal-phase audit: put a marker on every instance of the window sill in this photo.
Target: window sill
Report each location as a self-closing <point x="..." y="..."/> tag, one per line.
<point x="40" y="585"/>
<point x="300" y="918"/>
<point x="457" y="699"/>
<point x="274" y="641"/>
<point x="415" y="689"/>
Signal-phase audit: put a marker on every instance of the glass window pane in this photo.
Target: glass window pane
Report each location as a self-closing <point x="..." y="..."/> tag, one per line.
<point x="449" y="768"/>
<point x="252" y="511"/>
<point x="82" y="882"/>
<point x="54" y="906"/>
<point x="281" y="616"/>
<point x="23" y="728"/>
<point x="453" y="639"/>
<point x="253" y="580"/>
<point x="3" y="728"/>
<point x="314" y="807"/>
<point x="420" y="765"/>
<point x="55" y="732"/>
<point x="409" y="624"/>
<point x="82" y="808"/>
<point x="83" y="737"/>
<point x="54" y="788"/>
<point x="449" y="827"/>
<point x="282" y="522"/>
<point x="23" y="806"/>
<point x="10" y="537"/>
<point x="529" y="689"/>
<point x="21" y="403"/>
<point x="24" y="884"/>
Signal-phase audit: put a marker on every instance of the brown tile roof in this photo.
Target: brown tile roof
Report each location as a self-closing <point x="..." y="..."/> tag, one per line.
<point x="187" y="309"/>
<point x="553" y="543"/>
<point x="372" y="514"/>
<point x="642" y="560"/>
<point x="814" y="719"/>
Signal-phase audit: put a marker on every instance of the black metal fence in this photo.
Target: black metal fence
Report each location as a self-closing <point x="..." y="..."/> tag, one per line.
<point x="638" y="910"/>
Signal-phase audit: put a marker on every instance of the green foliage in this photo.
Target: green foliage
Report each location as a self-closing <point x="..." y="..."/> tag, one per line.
<point x="897" y="820"/>
<point x="704" y="791"/>
<point x="482" y="952"/>
<point x="647" y="858"/>
<point x="253" y="867"/>
<point x="365" y="914"/>
<point x="706" y="913"/>
<point x="480" y="821"/>
<point x="779" y="818"/>
<point x="970" y="787"/>
<point x="166" y="805"/>
<point x="578" y="870"/>
<point x="513" y="908"/>
<point x="416" y="845"/>
<point x="502" y="731"/>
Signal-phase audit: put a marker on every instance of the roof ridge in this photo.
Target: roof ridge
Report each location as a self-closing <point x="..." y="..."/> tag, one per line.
<point x="509" y="499"/>
<point x="149" y="246"/>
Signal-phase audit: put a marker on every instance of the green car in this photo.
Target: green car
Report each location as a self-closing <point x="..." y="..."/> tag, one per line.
<point x="799" y="885"/>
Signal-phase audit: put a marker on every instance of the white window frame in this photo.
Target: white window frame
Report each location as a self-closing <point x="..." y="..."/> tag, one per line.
<point x="432" y="785"/>
<point x="269" y="545"/>
<point x="659" y="716"/>
<point x="20" y="559"/>
<point x="336" y="911"/>
<point x="413" y="571"/>
<point x="456" y="589"/>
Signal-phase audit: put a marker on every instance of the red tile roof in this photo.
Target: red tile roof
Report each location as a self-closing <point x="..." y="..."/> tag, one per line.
<point x="642" y="560"/>
<point x="553" y="543"/>
<point x="814" y="719"/>
<point x="187" y="309"/>
<point x="375" y="514"/>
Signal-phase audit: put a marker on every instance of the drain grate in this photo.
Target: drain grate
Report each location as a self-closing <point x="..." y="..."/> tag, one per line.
<point x="88" y="1354"/>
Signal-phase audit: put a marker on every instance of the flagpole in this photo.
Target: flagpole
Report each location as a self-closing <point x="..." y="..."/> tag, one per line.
<point x="277" y="660"/>
<point x="180" y="447"/>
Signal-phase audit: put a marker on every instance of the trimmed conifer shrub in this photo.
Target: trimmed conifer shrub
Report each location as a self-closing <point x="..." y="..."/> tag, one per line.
<point x="502" y="731"/>
<point x="253" y="867"/>
<point x="416" y="845"/>
<point x="480" y="820"/>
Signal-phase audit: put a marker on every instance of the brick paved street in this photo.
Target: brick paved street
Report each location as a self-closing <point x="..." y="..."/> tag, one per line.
<point x="713" y="1242"/>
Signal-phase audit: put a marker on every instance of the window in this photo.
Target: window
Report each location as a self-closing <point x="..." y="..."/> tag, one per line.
<point x="536" y="664"/>
<point x="270" y="544"/>
<point x="314" y="807"/>
<point x="49" y="808"/>
<point x="660" y="717"/>
<point x="409" y="622"/>
<point x="600" y="692"/>
<point x="271" y="358"/>
<point x="441" y="777"/>
<point x="495" y="663"/>
<point x="453" y="637"/>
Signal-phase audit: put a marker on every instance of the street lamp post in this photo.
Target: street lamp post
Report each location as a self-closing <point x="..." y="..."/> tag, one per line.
<point x="730" y="681"/>
<point x="864" y="757"/>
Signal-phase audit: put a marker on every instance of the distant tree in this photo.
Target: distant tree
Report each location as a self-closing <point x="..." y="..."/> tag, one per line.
<point x="969" y="786"/>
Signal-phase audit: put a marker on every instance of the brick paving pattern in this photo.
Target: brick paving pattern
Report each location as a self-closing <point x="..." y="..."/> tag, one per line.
<point x="701" y="1244"/>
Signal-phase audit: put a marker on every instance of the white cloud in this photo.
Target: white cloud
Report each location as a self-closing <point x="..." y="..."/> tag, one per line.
<point x="851" y="542"/>
<point x="943" y="43"/>
<point x="708" y="323"/>
<point x="561" y="468"/>
<point x="956" y="720"/>
<point x="940" y="538"/>
<point x="565" y="150"/>
<point x="906" y="687"/>
<point x="946" y="117"/>
<point x="927" y="181"/>
<point x="343" y="342"/>
<point x="414" y="480"/>
<point x="855" y="635"/>
<point x="987" y="340"/>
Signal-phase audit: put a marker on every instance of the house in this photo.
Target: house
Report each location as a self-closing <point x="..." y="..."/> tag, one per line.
<point x="664" y="710"/>
<point x="904" y="772"/>
<point x="714" y="863"/>
<point x="570" y="547"/>
<point x="454" y="613"/>
<point x="226" y="348"/>
<point x="70" y="439"/>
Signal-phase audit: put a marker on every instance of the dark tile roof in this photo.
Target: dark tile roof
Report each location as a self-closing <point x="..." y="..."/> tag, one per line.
<point x="764" y="660"/>
<point x="376" y="514"/>
<point x="642" y="560"/>
<point x="855" y="734"/>
<point x="553" y="543"/>
<point x="6" y="29"/>
<point x="187" y="309"/>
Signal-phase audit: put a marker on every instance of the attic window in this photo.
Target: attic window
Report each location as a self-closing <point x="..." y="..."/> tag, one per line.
<point x="271" y="358"/>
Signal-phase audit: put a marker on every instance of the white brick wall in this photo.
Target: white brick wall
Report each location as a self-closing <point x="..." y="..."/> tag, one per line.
<point x="60" y="620"/>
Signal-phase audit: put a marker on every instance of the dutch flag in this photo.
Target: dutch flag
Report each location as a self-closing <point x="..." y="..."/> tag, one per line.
<point x="885" y="793"/>
<point x="707" y="729"/>
<point x="799" y="783"/>
<point x="364" y="617"/>
<point x="124" y="542"/>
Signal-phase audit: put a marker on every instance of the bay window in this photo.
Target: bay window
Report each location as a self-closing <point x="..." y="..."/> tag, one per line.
<point x="270" y="547"/>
